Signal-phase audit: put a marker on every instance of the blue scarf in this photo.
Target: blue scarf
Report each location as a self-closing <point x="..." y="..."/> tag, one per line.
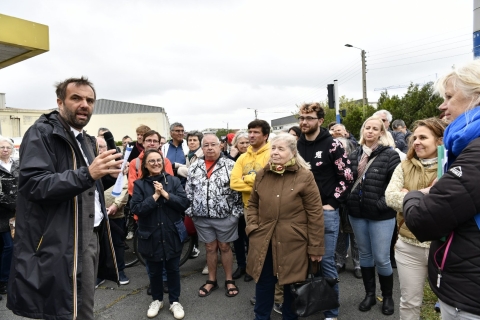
<point x="459" y="134"/>
<point x="463" y="130"/>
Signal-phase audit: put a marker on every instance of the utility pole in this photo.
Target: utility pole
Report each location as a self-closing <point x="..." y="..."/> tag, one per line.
<point x="364" y="81"/>
<point x="256" y="112"/>
<point x="364" y="76"/>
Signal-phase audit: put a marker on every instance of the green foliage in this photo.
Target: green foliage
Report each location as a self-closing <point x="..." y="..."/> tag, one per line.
<point x="222" y="133"/>
<point x="418" y="103"/>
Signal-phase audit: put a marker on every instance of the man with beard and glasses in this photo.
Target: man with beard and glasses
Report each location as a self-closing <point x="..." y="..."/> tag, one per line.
<point x="333" y="175"/>
<point x="62" y="228"/>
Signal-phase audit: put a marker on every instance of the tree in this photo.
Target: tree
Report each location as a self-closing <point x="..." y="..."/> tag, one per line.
<point x="418" y="103"/>
<point x="222" y="133"/>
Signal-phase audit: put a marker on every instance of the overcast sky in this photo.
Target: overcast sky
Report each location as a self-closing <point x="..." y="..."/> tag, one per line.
<point x="206" y="62"/>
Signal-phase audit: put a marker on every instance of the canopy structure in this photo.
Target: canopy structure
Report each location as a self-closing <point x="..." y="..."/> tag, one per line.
<point x="21" y="39"/>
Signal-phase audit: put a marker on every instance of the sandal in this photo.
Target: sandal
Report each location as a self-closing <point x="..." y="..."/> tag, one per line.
<point x="228" y="292"/>
<point x="207" y="292"/>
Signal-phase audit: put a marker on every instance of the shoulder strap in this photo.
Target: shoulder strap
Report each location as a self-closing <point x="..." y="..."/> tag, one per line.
<point x="359" y="178"/>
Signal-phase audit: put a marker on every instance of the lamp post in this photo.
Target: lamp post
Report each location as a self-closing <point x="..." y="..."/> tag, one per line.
<point x="256" y="111"/>
<point x="364" y="76"/>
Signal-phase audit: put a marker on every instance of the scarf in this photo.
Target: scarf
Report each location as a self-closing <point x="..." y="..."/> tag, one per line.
<point x="280" y="169"/>
<point x="367" y="151"/>
<point x="463" y="130"/>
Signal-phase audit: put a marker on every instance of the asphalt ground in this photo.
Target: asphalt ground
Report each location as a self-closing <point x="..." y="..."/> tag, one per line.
<point x="130" y="302"/>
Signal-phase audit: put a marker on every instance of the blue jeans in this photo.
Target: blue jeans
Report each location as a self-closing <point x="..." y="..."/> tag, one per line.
<point x="331" y="220"/>
<point x="265" y="292"/>
<point x="373" y="240"/>
<point x="6" y="257"/>
<point x="155" y="272"/>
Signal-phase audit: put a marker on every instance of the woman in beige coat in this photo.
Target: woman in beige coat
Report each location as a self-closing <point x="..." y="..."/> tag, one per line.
<point x="284" y="225"/>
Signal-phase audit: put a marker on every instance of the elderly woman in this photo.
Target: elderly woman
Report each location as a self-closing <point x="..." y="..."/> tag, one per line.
<point x="8" y="197"/>
<point x="284" y="225"/>
<point x="240" y="145"/>
<point x="447" y="213"/>
<point x="415" y="173"/>
<point x="159" y="201"/>
<point x="373" y="163"/>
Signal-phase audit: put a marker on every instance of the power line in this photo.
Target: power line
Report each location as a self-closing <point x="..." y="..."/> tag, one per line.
<point x="401" y="54"/>
<point x="420" y="55"/>
<point x="406" y="64"/>
<point x="420" y="45"/>
<point x="429" y="37"/>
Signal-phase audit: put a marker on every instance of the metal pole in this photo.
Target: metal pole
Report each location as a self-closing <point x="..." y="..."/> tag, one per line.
<point x="364" y="81"/>
<point x="337" y="101"/>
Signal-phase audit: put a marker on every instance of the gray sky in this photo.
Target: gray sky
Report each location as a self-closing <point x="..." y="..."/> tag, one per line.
<point x="206" y="62"/>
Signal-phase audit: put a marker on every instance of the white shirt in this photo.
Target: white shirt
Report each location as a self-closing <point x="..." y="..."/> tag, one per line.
<point x="98" y="205"/>
<point x="7" y="165"/>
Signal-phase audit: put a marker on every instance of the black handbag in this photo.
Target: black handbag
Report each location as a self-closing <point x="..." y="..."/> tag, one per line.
<point x="315" y="294"/>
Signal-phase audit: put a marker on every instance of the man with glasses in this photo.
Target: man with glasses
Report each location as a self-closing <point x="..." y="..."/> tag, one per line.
<point x="215" y="209"/>
<point x="333" y="175"/>
<point x="176" y="149"/>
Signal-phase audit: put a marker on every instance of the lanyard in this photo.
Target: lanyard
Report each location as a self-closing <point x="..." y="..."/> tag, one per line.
<point x="444" y="258"/>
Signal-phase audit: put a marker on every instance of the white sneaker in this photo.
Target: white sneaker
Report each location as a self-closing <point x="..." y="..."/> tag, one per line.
<point x="154" y="307"/>
<point x="205" y="270"/>
<point x="130" y="235"/>
<point x="177" y="310"/>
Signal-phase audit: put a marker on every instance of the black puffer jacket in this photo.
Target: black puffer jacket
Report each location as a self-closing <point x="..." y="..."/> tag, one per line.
<point x="158" y="238"/>
<point x="370" y="202"/>
<point x="451" y="206"/>
<point x="8" y="194"/>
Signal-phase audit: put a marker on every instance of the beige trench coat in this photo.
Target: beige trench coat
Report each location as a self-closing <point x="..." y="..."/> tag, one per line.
<point x="286" y="211"/>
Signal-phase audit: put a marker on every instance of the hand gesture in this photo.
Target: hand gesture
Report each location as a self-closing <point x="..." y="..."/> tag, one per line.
<point x="105" y="164"/>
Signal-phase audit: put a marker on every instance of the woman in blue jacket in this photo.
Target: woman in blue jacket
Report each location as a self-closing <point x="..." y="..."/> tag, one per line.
<point x="159" y="201"/>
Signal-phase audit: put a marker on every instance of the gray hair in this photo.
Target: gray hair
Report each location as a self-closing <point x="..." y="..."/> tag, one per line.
<point x="292" y="145"/>
<point x="2" y="139"/>
<point x="175" y="124"/>
<point x="210" y="134"/>
<point x="386" y="112"/>
<point x="238" y="135"/>
<point x="398" y="123"/>
<point x="347" y="145"/>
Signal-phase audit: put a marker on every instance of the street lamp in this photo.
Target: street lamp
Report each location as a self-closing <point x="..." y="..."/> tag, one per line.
<point x="256" y="111"/>
<point x="364" y="76"/>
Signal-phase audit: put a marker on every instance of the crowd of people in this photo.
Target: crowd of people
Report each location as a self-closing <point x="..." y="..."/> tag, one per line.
<point x="281" y="201"/>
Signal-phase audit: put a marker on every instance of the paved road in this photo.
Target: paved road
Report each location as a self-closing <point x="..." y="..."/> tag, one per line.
<point x="130" y="302"/>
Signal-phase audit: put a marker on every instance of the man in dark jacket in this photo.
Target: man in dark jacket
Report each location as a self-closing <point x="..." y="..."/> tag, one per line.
<point x="61" y="216"/>
<point x="331" y="169"/>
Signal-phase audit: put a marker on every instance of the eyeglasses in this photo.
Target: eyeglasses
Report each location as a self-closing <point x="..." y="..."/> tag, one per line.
<point x="301" y="119"/>
<point x="153" y="161"/>
<point x="210" y="145"/>
<point x="151" y="141"/>
<point x="179" y="131"/>
<point x="6" y="148"/>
